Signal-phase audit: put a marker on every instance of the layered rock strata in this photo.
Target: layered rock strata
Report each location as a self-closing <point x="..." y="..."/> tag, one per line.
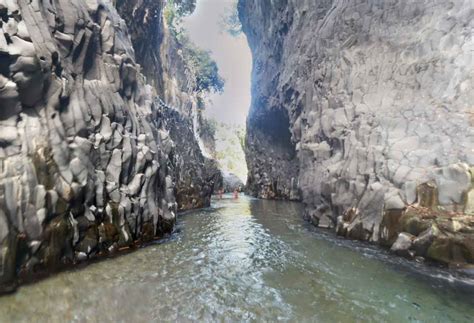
<point x="87" y="165"/>
<point x="363" y="104"/>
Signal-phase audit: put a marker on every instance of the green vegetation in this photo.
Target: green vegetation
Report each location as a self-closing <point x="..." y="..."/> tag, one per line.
<point x="198" y="60"/>
<point x="230" y="148"/>
<point x="208" y="127"/>
<point x="174" y="12"/>
<point x="230" y="21"/>
<point x="204" y="67"/>
<point x="225" y="143"/>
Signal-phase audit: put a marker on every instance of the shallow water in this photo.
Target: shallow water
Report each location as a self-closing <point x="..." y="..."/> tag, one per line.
<point x="249" y="260"/>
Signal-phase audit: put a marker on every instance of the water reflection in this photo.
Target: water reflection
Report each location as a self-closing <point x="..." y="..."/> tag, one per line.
<point x="246" y="260"/>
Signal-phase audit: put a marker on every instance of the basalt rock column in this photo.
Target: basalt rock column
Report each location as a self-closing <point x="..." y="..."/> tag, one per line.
<point x="87" y="163"/>
<point x="378" y="101"/>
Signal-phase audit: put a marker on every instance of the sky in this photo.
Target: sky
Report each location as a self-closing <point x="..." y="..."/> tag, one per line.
<point x="233" y="58"/>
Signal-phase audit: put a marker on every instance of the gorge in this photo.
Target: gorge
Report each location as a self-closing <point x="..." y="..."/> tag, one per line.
<point x="362" y="111"/>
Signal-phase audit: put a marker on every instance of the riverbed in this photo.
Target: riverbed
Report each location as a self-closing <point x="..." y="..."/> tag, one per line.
<point x="247" y="260"/>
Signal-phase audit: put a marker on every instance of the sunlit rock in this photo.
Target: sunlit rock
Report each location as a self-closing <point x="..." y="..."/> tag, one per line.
<point x="364" y="112"/>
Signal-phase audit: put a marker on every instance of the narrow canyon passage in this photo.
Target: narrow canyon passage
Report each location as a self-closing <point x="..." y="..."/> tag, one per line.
<point x="236" y="160"/>
<point x="247" y="259"/>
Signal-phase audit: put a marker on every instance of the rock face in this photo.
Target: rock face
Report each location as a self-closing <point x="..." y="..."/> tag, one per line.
<point x="231" y="182"/>
<point x="365" y="107"/>
<point x="87" y="163"/>
<point x="195" y="175"/>
<point x="164" y="66"/>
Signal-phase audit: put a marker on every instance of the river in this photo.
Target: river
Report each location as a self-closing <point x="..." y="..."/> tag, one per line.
<point x="247" y="260"/>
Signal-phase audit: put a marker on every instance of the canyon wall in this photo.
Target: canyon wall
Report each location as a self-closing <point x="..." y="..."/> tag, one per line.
<point x="90" y="158"/>
<point x="366" y="108"/>
<point x="160" y="54"/>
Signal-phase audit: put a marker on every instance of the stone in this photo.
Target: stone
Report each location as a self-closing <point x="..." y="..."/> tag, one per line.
<point x="341" y="226"/>
<point x="413" y="222"/>
<point x="108" y="234"/>
<point x="58" y="236"/>
<point x="453" y="182"/>
<point x="89" y="242"/>
<point x="355" y="138"/>
<point x="82" y="128"/>
<point x="427" y="195"/>
<point x="393" y="201"/>
<point x="390" y="226"/>
<point x="410" y="192"/>
<point x="424" y="240"/>
<point x="402" y="245"/>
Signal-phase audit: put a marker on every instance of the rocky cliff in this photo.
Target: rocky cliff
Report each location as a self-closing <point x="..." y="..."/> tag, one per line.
<point x="90" y="161"/>
<point x="160" y="54"/>
<point x="365" y="108"/>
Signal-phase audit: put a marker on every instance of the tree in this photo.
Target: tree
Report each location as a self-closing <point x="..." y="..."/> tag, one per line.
<point x="198" y="60"/>
<point x="174" y="12"/>
<point x="207" y="72"/>
<point x="184" y="7"/>
<point x="230" y="21"/>
<point x="204" y="67"/>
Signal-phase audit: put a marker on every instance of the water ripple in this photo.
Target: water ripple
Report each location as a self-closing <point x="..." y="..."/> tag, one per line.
<point x="247" y="260"/>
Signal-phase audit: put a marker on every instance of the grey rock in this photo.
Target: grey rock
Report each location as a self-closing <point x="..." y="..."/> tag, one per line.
<point x="424" y="240"/>
<point x="402" y="245"/>
<point x="83" y="137"/>
<point x="231" y="182"/>
<point x="354" y="107"/>
<point x="453" y="182"/>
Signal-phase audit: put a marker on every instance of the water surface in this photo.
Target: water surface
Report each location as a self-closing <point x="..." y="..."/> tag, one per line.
<point x="248" y="260"/>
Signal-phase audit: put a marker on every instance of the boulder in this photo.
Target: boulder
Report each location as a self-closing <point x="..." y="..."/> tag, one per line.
<point x="403" y="245"/>
<point x="424" y="240"/>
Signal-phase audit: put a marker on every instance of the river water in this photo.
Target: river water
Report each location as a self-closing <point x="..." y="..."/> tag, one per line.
<point x="247" y="260"/>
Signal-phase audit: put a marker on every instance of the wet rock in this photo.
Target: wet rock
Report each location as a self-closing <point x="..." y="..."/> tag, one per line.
<point x="148" y="231"/>
<point x="453" y="181"/>
<point x="390" y="226"/>
<point x="57" y="242"/>
<point x="450" y="249"/>
<point x="427" y="195"/>
<point x="341" y="226"/>
<point x="89" y="242"/>
<point x="8" y="248"/>
<point x="108" y="235"/>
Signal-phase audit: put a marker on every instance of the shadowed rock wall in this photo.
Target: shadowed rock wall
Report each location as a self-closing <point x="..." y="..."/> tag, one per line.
<point x="377" y="98"/>
<point x="174" y="81"/>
